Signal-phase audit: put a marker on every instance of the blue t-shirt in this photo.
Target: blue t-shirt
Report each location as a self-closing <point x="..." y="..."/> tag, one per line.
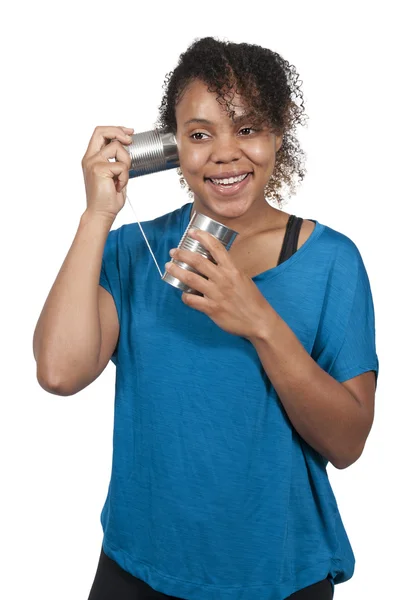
<point x="213" y="494"/>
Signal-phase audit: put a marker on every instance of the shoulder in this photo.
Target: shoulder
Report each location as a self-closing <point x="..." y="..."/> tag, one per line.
<point x="329" y="253"/>
<point x="346" y="268"/>
<point x="338" y="245"/>
<point x="327" y="243"/>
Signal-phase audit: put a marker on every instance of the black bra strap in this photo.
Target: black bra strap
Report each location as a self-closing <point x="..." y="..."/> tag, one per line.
<point x="290" y="241"/>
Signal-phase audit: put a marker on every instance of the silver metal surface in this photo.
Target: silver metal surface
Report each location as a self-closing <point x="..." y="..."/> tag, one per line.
<point x="223" y="234"/>
<point x="152" y="151"/>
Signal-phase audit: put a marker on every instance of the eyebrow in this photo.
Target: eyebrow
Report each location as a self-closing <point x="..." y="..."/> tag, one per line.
<point x="202" y="121"/>
<point x="207" y="122"/>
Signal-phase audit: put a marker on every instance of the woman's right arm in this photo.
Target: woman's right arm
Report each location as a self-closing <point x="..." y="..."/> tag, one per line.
<point x="78" y="328"/>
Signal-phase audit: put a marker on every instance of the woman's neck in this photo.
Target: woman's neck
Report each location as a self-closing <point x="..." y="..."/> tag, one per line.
<point x="258" y="218"/>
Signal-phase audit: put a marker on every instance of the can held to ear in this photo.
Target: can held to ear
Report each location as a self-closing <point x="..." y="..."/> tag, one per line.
<point x="151" y="152"/>
<point x="223" y="234"/>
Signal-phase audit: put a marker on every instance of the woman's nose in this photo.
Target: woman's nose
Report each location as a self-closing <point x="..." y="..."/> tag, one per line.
<point x="225" y="149"/>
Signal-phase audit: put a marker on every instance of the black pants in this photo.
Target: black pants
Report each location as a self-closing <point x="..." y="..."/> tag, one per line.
<point x="113" y="583"/>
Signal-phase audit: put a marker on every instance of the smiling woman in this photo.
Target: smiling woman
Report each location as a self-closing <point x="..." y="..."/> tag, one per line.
<point x="224" y="157"/>
<point x="229" y="404"/>
<point x="253" y="86"/>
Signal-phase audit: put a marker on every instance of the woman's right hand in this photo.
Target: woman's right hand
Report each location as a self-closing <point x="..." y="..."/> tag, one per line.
<point x="106" y="181"/>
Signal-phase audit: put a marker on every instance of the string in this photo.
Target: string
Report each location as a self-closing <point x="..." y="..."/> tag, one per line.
<point x="145" y="238"/>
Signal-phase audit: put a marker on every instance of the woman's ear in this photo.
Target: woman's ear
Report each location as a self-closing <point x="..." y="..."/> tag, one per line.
<point x="278" y="142"/>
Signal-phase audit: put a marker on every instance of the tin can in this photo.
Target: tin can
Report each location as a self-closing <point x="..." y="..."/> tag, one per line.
<point x="152" y="151"/>
<point x="223" y="234"/>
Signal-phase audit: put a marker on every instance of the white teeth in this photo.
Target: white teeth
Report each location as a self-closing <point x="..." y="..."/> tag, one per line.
<point x="230" y="180"/>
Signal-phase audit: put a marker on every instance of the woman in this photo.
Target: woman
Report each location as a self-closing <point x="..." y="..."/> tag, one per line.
<point x="228" y="405"/>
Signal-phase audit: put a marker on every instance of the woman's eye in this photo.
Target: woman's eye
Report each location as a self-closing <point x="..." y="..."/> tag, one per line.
<point x="199" y="135"/>
<point x="193" y="136"/>
<point x="247" y="129"/>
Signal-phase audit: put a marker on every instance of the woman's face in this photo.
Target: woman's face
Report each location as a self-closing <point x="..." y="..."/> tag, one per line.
<point x="213" y="149"/>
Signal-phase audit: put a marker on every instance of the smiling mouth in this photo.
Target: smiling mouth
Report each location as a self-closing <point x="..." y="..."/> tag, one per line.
<point x="229" y="181"/>
<point x="230" y="186"/>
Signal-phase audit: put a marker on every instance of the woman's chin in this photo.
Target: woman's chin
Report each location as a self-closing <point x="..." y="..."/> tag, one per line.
<point x="225" y="208"/>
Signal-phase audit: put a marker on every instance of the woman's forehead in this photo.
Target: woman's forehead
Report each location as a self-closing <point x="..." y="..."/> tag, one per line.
<point x="198" y="101"/>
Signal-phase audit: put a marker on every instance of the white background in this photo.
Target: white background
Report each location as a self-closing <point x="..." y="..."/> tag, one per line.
<point x="67" y="67"/>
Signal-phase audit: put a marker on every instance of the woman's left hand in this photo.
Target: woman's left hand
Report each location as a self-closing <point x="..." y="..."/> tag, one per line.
<point x="230" y="298"/>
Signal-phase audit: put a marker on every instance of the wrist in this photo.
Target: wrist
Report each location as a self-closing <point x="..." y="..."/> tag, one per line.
<point x="266" y="327"/>
<point x="105" y="220"/>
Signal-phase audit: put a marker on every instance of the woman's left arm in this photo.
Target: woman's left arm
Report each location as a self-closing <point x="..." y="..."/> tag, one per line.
<point x="334" y="418"/>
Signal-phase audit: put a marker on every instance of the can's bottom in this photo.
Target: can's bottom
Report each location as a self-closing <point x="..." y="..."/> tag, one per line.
<point x="168" y="278"/>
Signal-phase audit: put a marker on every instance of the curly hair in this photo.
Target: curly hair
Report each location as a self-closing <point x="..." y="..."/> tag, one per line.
<point x="268" y="84"/>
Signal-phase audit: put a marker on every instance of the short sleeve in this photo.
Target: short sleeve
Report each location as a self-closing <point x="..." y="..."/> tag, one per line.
<point x="358" y="349"/>
<point x="345" y="343"/>
<point x="110" y="274"/>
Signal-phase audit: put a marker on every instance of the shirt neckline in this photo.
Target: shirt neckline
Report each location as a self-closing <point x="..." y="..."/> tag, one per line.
<point x="269" y="273"/>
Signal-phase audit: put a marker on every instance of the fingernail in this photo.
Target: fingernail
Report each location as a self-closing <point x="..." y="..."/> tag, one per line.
<point x="172" y="252"/>
<point x="192" y="232"/>
<point x="167" y="265"/>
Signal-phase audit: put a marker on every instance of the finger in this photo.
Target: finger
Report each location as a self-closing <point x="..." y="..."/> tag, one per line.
<point x="192" y="280"/>
<point x="196" y="302"/>
<point x="214" y="246"/>
<point x="116" y="171"/>
<point x="115" y="150"/>
<point x="197" y="261"/>
<point x="103" y="135"/>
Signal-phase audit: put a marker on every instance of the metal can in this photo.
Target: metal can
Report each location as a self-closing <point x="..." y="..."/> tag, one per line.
<point x="152" y="151"/>
<point x="223" y="234"/>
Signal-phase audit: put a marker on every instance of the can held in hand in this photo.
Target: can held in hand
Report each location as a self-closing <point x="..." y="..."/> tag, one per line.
<point x="151" y="152"/>
<point x="223" y="234"/>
